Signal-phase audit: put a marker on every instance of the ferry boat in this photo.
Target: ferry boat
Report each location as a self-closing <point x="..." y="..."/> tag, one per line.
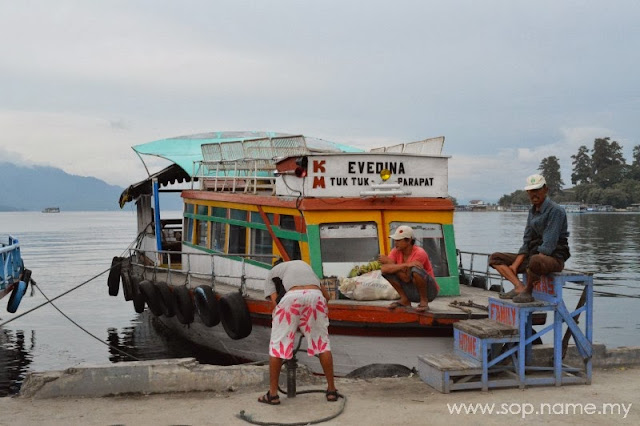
<point x="14" y="278"/>
<point x="574" y="207"/>
<point x="253" y="197"/>
<point x="51" y="210"/>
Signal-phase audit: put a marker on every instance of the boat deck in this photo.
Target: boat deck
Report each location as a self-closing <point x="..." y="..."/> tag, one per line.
<point x="472" y="303"/>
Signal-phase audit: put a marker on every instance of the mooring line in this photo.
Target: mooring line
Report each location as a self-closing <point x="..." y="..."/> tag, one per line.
<point x="82" y="328"/>
<point x="55" y="298"/>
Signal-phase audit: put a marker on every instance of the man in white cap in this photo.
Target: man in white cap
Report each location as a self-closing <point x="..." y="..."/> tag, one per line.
<point x="545" y="246"/>
<point x="409" y="271"/>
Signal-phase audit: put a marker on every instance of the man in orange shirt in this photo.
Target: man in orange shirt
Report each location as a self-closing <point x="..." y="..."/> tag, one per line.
<point x="409" y="271"/>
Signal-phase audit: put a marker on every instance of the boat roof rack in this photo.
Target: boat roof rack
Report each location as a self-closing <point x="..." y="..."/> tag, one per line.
<point x="431" y="146"/>
<point x="248" y="164"/>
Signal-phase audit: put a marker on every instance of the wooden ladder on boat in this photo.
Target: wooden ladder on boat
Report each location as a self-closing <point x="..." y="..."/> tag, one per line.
<point x="496" y="352"/>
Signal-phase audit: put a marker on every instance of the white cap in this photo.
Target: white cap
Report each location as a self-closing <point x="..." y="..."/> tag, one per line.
<point x="535" y="182"/>
<point x="403" y="232"/>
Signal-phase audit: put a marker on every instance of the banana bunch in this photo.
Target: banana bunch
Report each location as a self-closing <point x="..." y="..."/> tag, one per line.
<point x="363" y="269"/>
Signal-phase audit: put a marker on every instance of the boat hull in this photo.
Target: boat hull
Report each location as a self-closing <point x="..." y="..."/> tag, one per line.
<point x="349" y="352"/>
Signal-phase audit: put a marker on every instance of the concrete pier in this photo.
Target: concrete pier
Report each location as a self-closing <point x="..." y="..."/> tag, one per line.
<point x="612" y="398"/>
<point x="181" y="391"/>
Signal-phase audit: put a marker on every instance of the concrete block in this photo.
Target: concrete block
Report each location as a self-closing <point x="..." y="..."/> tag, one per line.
<point x="158" y="376"/>
<point x="602" y="357"/>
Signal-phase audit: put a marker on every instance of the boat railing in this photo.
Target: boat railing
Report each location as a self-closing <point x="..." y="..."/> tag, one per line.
<point x="475" y="270"/>
<point x="141" y="259"/>
<point x="11" y="262"/>
<point x="248" y="165"/>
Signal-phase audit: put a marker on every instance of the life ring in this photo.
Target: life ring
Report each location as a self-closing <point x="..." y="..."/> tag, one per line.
<point x="166" y="297"/>
<point x="152" y="297"/>
<point x="136" y="295"/>
<point x="235" y="316"/>
<point x="114" y="275"/>
<point x="207" y="305"/>
<point x="183" y="306"/>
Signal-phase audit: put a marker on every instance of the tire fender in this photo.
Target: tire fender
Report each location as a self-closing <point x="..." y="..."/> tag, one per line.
<point x="207" y="305"/>
<point x="127" y="286"/>
<point x="137" y="296"/>
<point x="479" y="282"/>
<point x="114" y="275"/>
<point x="166" y="297"/>
<point x="152" y="297"/>
<point x="18" y="291"/>
<point x="235" y="316"/>
<point x="183" y="306"/>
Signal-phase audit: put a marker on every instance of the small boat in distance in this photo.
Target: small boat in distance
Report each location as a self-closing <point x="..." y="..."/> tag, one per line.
<point x="51" y="210"/>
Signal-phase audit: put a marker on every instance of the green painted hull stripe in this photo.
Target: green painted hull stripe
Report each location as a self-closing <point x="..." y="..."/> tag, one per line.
<point x="283" y="233"/>
<point x="237" y="258"/>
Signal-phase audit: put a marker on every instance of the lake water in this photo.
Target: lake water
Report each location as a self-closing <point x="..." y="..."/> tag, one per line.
<point x="68" y="248"/>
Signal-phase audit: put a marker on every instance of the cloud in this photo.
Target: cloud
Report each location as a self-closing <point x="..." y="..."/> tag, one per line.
<point x="488" y="177"/>
<point x="506" y="84"/>
<point x="80" y="145"/>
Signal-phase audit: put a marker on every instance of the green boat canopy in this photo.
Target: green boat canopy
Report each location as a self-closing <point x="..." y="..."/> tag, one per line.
<point x="186" y="151"/>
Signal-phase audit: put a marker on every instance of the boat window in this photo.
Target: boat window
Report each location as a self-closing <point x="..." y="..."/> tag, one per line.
<point x="238" y="214"/>
<point x="261" y="243"/>
<point x="188" y="208"/>
<point x="256" y="218"/>
<point x="293" y="249"/>
<point x="203" y="210"/>
<point x="237" y="239"/>
<point x="219" y="212"/>
<point x="217" y="236"/>
<point x="344" y="245"/>
<point x="202" y="233"/>
<point x="430" y="237"/>
<point x="188" y="229"/>
<point x="287" y="222"/>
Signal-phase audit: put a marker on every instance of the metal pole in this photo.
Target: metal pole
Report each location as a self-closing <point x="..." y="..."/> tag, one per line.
<point x="292" y="365"/>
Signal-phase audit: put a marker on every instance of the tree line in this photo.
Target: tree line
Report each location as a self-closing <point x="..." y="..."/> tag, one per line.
<point x="600" y="175"/>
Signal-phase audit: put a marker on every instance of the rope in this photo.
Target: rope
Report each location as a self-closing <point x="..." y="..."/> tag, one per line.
<point x="50" y="301"/>
<point x="55" y="298"/>
<point x="82" y="328"/>
<point x="249" y="418"/>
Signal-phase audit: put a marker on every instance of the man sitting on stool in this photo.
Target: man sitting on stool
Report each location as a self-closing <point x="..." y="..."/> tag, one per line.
<point x="409" y="271"/>
<point x="545" y="245"/>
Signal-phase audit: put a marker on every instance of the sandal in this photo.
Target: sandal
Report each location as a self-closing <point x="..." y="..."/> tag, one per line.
<point x="268" y="399"/>
<point x="509" y="295"/>
<point x="397" y="304"/>
<point x="332" y="396"/>
<point x="422" y="308"/>
<point x="524" y="298"/>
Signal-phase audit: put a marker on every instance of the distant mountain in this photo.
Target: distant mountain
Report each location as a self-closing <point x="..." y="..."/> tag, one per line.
<point x="34" y="188"/>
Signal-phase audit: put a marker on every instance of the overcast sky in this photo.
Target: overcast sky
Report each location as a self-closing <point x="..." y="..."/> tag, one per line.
<point x="506" y="82"/>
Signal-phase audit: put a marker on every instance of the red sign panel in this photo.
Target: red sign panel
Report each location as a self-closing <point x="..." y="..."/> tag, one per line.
<point x="545" y="285"/>
<point x="504" y="314"/>
<point x="469" y="344"/>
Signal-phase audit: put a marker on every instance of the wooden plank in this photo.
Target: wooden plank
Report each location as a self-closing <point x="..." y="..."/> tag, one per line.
<point x="450" y="362"/>
<point x="485" y="328"/>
